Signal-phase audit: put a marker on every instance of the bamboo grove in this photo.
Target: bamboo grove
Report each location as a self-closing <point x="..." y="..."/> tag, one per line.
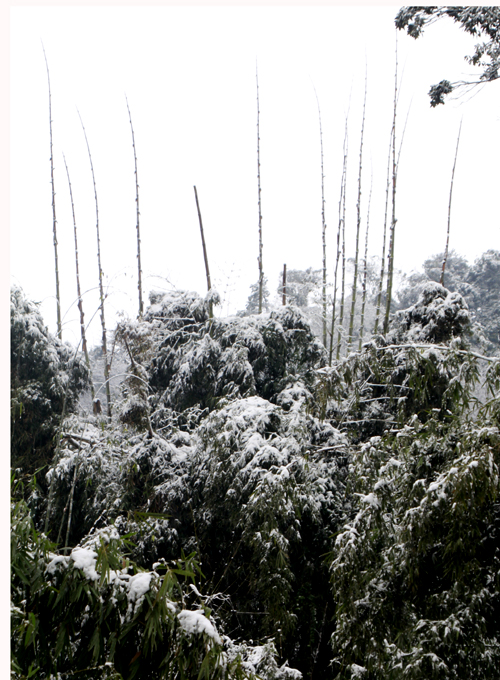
<point x="337" y="322"/>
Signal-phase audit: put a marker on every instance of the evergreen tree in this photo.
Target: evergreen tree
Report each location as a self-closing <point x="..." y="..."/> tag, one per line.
<point x="259" y="298"/>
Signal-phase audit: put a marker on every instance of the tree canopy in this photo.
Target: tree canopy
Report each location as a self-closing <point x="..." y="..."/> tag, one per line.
<point x="483" y="22"/>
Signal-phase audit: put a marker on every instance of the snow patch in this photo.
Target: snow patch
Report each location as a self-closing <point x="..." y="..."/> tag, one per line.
<point x="197" y="622"/>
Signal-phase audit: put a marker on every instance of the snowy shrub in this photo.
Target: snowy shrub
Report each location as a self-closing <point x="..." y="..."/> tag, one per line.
<point x="415" y="571"/>
<point x="195" y="362"/>
<point x="264" y="503"/>
<point x="404" y="373"/>
<point x="47" y="378"/>
<point x="95" y="613"/>
<point x="437" y="316"/>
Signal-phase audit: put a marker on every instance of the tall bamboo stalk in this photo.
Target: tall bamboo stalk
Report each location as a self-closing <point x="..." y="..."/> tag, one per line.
<point x="78" y="289"/>
<point x="323" y="222"/>
<point x="358" y="223"/>
<point x="341" y="200"/>
<point x="101" y="288"/>
<point x="445" y="257"/>
<point x="382" y="266"/>
<point x="342" y="293"/>
<point x="54" y="221"/>
<point x="205" y="256"/>
<point x="365" y="270"/>
<point x="261" y="270"/>
<point x="139" y="278"/>
<point x="390" y="264"/>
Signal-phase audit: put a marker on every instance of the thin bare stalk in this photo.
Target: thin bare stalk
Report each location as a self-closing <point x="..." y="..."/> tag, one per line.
<point x="79" y="292"/>
<point x="205" y="256"/>
<point x="390" y="265"/>
<point x="382" y="266"/>
<point x="342" y="292"/>
<point x="101" y="288"/>
<point x="445" y="257"/>
<point x="365" y="269"/>
<point x="261" y="270"/>
<point x="54" y="221"/>
<point x="358" y="223"/>
<point x="139" y="279"/>
<point x="323" y="222"/>
<point x="284" y="285"/>
<point x="71" y="497"/>
<point x="135" y="373"/>
<point x="341" y="201"/>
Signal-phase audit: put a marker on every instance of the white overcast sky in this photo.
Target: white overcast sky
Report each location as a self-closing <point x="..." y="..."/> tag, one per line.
<point x="189" y="75"/>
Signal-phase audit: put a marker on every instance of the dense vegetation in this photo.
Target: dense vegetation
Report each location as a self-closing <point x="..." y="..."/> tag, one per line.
<point x="247" y="505"/>
<point x="250" y="505"/>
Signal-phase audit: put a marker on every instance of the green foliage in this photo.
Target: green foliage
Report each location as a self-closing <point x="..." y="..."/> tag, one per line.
<point x="255" y="457"/>
<point x="194" y="361"/>
<point x="47" y="378"/>
<point x="479" y="284"/>
<point x="477" y="21"/>
<point x="405" y="373"/>
<point x="416" y="570"/>
<point x="86" y="614"/>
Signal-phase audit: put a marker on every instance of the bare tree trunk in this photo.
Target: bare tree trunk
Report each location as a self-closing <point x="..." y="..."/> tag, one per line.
<point x="79" y="291"/>
<point x="323" y="223"/>
<point x="284" y="285"/>
<point x="139" y="279"/>
<point x="390" y="266"/>
<point x="54" y="221"/>
<point x="365" y="270"/>
<point x="341" y="201"/>
<point x="445" y="257"/>
<point x="358" y="224"/>
<point x="261" y="270"/>
<point x="101" y="289"/>
<point x="205" y="256"/>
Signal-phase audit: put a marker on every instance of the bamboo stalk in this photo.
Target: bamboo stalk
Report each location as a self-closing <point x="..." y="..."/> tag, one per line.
<point x="70" y="512"/>
<point x="261" y="270"/>
<point x="341" y="201"/>
<point x="205" y="256"/>
<point x="342" y="295"/>
<point x="79" y="292"/>
<point x="390" y="265"/>
<point x="101" y="289"/>
<point x="323" y="222"/>
<point x="358" y="223"/>
<point x="445" y="256"/>
<point x="382" y="266"/>
<point x="365" y="269"/>
<point x="139" y="279"/>
<point x="135" y="372"/>
<point x="284" y="285"/>
<point x="54" y="221"/>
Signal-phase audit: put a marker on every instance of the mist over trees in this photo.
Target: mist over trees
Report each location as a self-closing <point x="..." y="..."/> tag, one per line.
<point x="284" y="493"/>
